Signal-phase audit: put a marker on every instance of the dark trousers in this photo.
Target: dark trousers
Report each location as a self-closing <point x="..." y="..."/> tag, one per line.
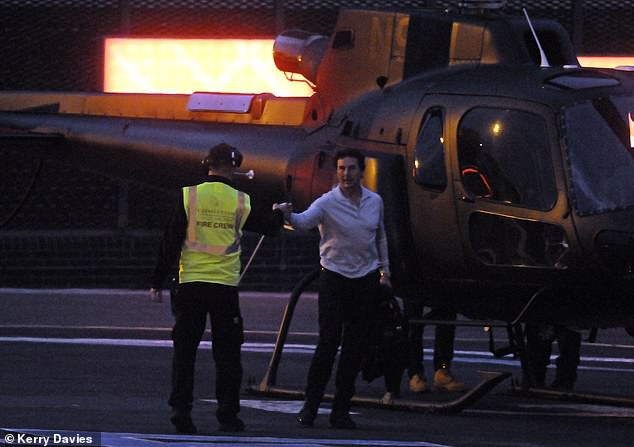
<point x="190" y="306"/>
<point x="392" y="380"/>
<point x="344" y="313"/>
<point x="443" y="338"/>
<point x="539" y="339"/>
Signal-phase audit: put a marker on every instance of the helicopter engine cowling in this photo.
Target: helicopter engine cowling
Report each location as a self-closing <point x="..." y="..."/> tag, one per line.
<point x="300" y="52"/>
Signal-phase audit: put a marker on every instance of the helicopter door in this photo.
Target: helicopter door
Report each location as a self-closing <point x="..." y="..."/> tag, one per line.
<point x="509" y="200"/>
<point x="431" y="203"/>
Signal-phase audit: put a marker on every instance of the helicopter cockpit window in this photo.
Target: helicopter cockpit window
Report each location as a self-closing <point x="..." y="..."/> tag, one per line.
<point x="429" y="161"/>
<point x="600" y="147"/>
<point x="504" y="156"/>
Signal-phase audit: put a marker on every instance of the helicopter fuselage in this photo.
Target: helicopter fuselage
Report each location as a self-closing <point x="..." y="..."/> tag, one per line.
<point x="508" y="183"/>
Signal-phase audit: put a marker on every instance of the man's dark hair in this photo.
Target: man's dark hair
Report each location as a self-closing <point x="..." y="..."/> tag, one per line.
<point x="223" y="155"/>
<point x="349" y="152"/>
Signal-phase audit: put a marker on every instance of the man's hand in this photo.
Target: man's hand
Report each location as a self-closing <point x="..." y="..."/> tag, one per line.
<point x="286" y="208"/>
<point x="156" y="296"/>
<point x="385" y="280"/>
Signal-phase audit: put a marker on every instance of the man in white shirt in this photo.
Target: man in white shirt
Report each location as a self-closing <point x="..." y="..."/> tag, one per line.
<point x="354" y="261"/>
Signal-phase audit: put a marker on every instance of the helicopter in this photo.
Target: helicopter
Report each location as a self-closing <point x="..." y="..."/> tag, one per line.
<point x="506" y="168"/>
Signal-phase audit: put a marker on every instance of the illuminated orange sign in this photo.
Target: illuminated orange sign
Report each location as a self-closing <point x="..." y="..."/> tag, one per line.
<point x="630" y="122"/>
<point x="187" y="65"/>
<point x="148" y="65"/>
<point x="606" y="61"/>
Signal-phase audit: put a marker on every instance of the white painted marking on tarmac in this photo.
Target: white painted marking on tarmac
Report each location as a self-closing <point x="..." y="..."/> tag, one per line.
<point x="148" y="343"/>
<point x="477" y="357"/>
<point x="135" y="328"/>
<point x="274" y="406"/>
<point x="108" y="439"/>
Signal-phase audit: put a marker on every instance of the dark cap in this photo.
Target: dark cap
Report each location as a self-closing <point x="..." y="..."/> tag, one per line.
<point x="223" y="155"/>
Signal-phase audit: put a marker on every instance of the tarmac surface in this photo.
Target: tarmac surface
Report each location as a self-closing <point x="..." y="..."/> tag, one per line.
<point x="92" y="367"/>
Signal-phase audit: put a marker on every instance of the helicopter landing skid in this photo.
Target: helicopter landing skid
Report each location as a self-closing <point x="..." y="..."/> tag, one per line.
<point x="489" y="381"/>
<point x="268" y="388"/>
<point x="574" y="396"/>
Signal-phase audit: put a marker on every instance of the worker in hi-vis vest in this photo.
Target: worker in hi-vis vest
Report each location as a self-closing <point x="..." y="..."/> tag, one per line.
<point x="205" y="230"/>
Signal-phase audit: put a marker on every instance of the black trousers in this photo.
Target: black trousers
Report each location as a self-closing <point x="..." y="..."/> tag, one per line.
<point x="539" y="339"/>
<point x="190" y="305"/>
<point x="443" y="338"/>
<point x="344" y="314"/>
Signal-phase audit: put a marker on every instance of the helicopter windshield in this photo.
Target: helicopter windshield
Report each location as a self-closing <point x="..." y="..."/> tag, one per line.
<point x="599" y="143"/>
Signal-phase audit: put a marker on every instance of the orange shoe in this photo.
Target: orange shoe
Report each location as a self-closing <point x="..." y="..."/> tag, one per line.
<point x="417" y="384"/>
<point x="443" y="380"/>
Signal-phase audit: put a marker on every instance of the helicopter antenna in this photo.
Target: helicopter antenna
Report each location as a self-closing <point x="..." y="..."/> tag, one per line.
<point x="544" y="60"/>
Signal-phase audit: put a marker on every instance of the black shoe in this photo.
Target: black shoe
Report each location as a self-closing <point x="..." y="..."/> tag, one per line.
<point x="535" y="382"/>
<point x="182" y="420"/>
<point x="233" y="424"/>
<point x="307" y="415"/>
<point x="563" y="385"/>
<point x="343" y="421"/>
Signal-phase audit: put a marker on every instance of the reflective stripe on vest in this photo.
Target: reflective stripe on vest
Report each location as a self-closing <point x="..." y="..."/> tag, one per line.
<point x="192" y="244"/>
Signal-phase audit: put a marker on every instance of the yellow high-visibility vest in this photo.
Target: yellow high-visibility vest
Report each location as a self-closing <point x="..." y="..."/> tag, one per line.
<point x="216" y="213"/>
